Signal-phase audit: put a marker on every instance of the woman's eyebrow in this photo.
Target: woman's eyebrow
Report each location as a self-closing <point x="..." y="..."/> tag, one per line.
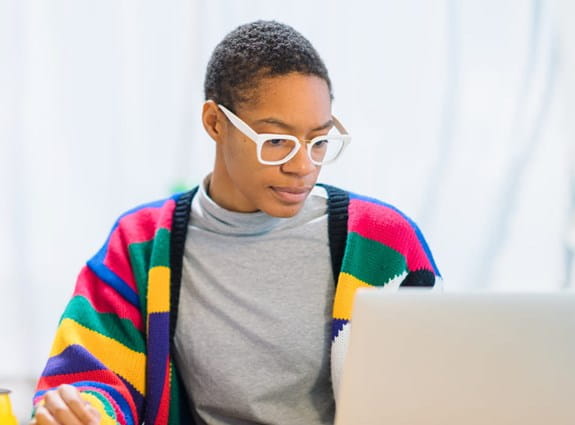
<point x="286" y="126"/>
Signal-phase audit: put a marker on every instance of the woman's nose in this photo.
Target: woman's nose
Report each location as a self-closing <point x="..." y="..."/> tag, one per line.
<point x="300" y="164"/>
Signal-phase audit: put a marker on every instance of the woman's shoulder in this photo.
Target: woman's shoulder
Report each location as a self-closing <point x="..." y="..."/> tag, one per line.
<point x="151" y="215"/>
<point x="377" y="221"/>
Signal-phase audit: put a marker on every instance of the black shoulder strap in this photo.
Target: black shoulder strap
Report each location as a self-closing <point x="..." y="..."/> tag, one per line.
<point x="337" y="204"/>
<point x="180" y="220"/>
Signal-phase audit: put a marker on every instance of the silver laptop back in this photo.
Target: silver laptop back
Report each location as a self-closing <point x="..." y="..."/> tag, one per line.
<point x="420" y="357"/>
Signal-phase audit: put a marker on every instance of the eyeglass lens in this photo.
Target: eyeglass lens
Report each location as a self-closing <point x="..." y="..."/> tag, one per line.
<point x="323" y="150"/>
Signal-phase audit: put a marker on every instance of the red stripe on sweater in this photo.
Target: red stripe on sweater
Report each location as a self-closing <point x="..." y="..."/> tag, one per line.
<point x="140" y="226"/>
<point x="388" y="227"/>
<point x="164" y="407"/>
<point x="105" y="299"/>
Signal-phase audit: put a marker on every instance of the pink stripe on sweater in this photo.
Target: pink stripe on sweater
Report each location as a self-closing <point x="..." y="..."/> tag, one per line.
<point x="385" y="225"/>
<point x="105" y="299"/>
<point x="140" y="226"/>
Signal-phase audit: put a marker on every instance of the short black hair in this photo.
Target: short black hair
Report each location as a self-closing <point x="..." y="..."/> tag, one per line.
<point x="254" y="51"/>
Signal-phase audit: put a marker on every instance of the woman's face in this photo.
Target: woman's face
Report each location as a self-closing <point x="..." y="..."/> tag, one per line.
<point x="295" y="104"/>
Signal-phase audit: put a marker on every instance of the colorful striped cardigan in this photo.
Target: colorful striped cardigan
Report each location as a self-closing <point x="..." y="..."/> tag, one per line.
<point x="115" y="339"/>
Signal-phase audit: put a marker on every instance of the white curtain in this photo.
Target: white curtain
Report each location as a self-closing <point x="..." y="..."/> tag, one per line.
<point x="458" y="111"/>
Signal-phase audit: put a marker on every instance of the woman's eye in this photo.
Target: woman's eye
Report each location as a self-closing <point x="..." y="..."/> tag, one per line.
<point x="277" y="142"/>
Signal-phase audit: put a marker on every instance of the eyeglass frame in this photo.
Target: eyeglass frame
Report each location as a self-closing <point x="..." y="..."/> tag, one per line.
<point x="260" y="138"/>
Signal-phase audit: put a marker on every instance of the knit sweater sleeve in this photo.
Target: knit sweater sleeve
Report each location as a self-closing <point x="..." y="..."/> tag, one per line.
<point x="100" y="342"/>
<point x="384" y="249"/>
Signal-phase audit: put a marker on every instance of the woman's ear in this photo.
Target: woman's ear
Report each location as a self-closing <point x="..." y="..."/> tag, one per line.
<point x="213" y="120"/>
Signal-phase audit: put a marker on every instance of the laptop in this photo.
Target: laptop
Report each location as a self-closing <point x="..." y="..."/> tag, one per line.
<point x="423" y="357"/>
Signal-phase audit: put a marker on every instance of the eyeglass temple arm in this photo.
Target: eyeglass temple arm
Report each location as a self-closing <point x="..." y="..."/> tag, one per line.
<point x="339" y="126"/>
<point x="242" y="126"/>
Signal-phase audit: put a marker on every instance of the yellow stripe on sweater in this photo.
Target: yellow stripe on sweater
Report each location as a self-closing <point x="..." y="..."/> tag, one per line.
<point x="105" y="419"/>
<point x="159" y="290"/>
<point x="344" y="296"/>
<point x="115" y="356"/>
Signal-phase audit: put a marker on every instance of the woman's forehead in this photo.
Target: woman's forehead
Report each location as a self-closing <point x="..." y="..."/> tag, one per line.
<point x="290" y="98"/>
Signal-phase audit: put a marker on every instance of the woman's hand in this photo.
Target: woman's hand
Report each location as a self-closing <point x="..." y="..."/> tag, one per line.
<point x="65" y="406"/>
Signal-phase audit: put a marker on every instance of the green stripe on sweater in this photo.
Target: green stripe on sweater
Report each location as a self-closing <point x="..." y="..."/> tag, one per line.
<point x="161" y="249"/>
<point x="371" y="261"/>
<point x="176" y="402"/>
<point x="148" y="254"/>
<point x="80" y="310"/>
<point x="140" y="260"/>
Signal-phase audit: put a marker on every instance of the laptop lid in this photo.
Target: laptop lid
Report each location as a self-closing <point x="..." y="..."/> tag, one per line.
<point x="422" y="357"/>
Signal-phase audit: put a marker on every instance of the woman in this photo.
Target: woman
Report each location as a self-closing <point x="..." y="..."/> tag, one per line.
<point x="230" y="304"/>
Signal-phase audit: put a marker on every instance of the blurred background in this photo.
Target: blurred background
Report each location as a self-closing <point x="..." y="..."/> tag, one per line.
<point x="459" y="112"/>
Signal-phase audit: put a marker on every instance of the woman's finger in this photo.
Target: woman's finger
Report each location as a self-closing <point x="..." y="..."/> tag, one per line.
<point x="43" y="417"/>
<point x="81" y="409"/>
<point x="59" y="410"/>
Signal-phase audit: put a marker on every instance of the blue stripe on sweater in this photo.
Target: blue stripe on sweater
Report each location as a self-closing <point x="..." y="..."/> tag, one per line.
<point x="96" y="264"/>
<point x="336" y="327"/>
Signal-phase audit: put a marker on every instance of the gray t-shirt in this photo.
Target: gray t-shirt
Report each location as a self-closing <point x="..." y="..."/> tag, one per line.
<point x="253" y="332"/>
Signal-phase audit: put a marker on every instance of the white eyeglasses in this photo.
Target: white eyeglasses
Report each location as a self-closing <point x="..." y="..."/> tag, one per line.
<point x="275" y="149"/>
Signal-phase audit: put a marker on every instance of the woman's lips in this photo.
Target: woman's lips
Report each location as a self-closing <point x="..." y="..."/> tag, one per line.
<point x="292" y="195"/>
